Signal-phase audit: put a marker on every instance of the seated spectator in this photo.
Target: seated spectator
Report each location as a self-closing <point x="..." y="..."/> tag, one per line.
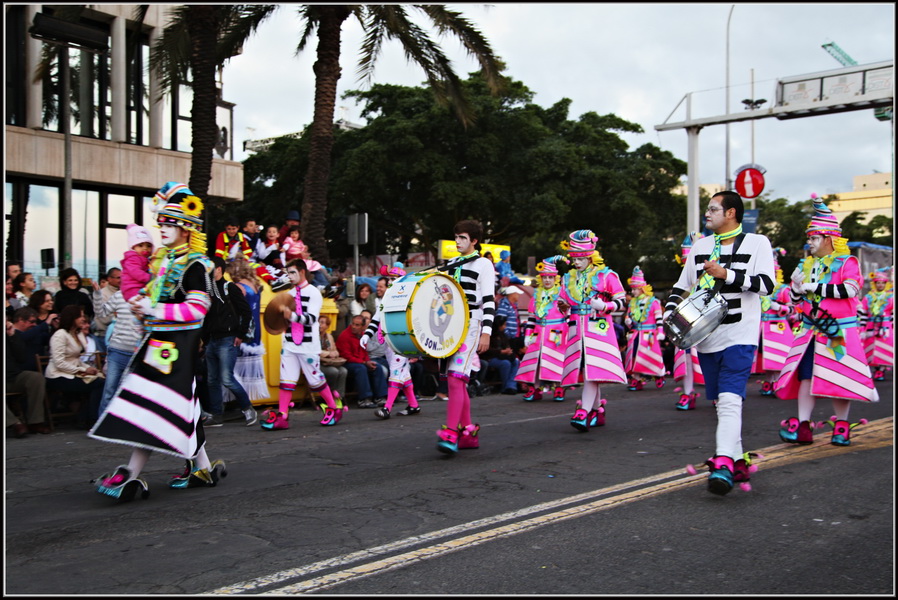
<point x="11" y="302"/>
<point x="71" y="293"/>
<point x="504" y="270"/>
<point x="268" y="250"/>
<point x="508" y="308"/>
<point x="332" y="364"/>
<point x="66" y="372"/>
<point x="359" y="302"/>
<point x="37" y="338"/>
<point x="501" y="357"/>
<point x="22" y="287"/>
<point x="366" y="374"/>
<point x="251" y="232"/>
<point x="30" y="384"/>
<point x="293" y="248"/>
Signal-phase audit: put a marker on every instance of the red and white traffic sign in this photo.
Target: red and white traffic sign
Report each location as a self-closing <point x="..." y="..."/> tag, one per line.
<point x="750" y="182"/>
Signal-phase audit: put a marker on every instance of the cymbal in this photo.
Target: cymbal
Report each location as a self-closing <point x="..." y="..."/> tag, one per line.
<point x="273" y="320"/>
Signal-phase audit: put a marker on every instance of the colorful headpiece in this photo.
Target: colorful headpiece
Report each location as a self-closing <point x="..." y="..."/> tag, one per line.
<point x="638" y="279"/>
<point x="175" y="204"/>
<point x="777" y="252"/>
<point x="880" y="275"/>
<point x="549" y="266"/>
<point x="395" y="271"/>
<point x="581" y="243"/>
<point x="690" y="239"/>
<point x="823" y="222"/>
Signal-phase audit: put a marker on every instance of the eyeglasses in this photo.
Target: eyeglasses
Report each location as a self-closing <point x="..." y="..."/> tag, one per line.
<point x="713" y="209"/>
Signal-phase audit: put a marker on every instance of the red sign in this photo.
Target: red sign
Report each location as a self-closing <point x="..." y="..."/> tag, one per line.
<point x="749" y="183"/>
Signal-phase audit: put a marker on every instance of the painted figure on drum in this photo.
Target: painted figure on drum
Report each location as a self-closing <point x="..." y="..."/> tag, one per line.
<point x="877" y="312"/>
<point x="643" y="355"/>
<point x="590" y="292"/>
<point x="477" y="278"/>
<point x="736" y="267"/>
<point x="545" y="335"/>
<point x="776" y="330"/>
<point x="400" y="377"/>
<point x="827" y="357"/>
<point x="441" y="311"/>
<point x="301" y="351"/>
<point x="687" y="370"/>
<point x="155" y="408"/>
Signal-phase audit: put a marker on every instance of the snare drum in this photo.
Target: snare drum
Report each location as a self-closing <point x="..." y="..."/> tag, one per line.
<point x="425" y="313"/>
<point x="695" y="318"/>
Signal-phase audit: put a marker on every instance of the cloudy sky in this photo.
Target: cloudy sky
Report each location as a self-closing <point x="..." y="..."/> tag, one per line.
<point x="636" y="61"/>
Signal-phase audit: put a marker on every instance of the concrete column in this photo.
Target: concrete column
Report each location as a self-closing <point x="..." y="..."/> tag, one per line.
<point x="34" y="94"/>
<point x="118" y="85"/>
<point x="692" y="187"/>
<point x="157" y="112"/>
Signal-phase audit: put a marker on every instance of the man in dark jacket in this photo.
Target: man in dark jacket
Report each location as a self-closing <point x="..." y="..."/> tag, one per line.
<point x="18" y="380"/>
<point x="226" y="326"/>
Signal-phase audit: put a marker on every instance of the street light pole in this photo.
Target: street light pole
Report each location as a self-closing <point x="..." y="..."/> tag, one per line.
<point x="727" y="180"/>
<point x="66" y="116"/>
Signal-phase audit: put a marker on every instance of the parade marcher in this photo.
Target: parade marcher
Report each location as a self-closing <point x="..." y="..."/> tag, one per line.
<point x="727" y="354"/>
<point x="545" y="335"/>
<point x="643" y="354"/>
<point x="399" y="377"/>
<point x="155" y="407"/>
<point x="301" y="352"/>
<point x="590" y="292"/>
<point x="877" y="312"/>
<point x="476" y="276"/>
<point x="776" y="333"/>
<point x="686" y="366"/>
<point x="827" y="356"/>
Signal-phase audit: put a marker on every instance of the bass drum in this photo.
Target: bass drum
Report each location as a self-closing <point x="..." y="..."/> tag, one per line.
<point x="695" y="318"/>
<point x="425" y="313"/>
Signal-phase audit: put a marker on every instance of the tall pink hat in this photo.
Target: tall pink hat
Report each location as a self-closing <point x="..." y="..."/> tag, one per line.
<point x="638" y="279"/>
<point x="880" y="275"/>
<point x="549" y="266"/>
<point x="823" y="222"/>
<point x="581" y="243"/>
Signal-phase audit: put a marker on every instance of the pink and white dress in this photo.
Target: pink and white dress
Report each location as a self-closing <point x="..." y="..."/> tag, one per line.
<point x="546" y="335"/>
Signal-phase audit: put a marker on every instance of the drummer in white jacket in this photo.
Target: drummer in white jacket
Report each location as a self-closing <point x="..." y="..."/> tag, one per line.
<point x="727" y="354"/>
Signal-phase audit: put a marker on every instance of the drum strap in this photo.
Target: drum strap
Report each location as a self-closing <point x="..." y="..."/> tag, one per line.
<point x="455" y="265"/>
<point x="720" y="282"/>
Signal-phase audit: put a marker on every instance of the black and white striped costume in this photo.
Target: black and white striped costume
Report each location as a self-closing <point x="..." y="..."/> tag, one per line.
<point x="477" y="278"/>
<point x="303" y="356"/>
<point x="750" y="275"/>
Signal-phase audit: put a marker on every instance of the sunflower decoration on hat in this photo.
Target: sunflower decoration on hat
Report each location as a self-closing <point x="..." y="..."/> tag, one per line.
<point x="549" y="266"/>
<point x="174" y="204"/>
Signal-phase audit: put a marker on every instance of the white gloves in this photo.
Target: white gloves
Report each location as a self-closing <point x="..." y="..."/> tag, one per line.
<point x="798" y="275"/>
<point x="598" y="304"/>
<point x="363" y="341"/>
<point x="144" y="306"/>
<point x="628" y="322"/>
<point x="661" y="336"/>
<point x="807" y="288"/>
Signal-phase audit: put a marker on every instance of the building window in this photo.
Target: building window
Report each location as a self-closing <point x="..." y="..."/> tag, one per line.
<point x="15" y="65"/>
<point x="138" y="56"/>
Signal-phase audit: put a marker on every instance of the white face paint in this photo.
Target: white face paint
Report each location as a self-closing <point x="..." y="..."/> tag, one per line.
<point x="463" y="243"/>
<point x="548" y="280"/>
<point x="815" y="245"/>
<point x="580" y="262"/>
<point x="170" y="234"/>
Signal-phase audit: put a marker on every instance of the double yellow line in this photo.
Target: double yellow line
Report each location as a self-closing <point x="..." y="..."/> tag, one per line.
<point x="876" y="434"/>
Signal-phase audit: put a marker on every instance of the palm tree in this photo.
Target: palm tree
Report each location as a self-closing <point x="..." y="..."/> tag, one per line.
<point x="196" y="42"/>
<point x="379" y="22"/>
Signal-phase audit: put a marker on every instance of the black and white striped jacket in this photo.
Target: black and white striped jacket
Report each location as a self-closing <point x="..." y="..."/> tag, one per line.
<point x="478" y="281"/>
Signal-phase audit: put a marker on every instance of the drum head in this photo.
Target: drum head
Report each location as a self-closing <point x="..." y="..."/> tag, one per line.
<point x="436" y="313"/>
<point x="273" y="318"/>
<point x="695" y="319"/>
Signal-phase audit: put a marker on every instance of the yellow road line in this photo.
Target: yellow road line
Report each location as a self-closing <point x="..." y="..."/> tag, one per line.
<point x="876" y="434"/>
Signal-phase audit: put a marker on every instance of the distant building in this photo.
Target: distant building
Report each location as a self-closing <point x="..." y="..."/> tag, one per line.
<point x="126" y="143"/>
<point x="708" y="189"/>
<point x="872" y="194"/>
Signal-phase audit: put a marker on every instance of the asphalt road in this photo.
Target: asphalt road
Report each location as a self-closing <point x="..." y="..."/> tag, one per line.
<point x="371" y="507"/>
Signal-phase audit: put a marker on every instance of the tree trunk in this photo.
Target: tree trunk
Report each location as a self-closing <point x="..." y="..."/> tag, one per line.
<point x="203" y="24"/>
<point x="321" y="131"/>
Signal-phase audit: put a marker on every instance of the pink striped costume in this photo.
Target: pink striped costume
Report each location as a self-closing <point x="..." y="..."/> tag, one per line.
<point x="680" y="358"/>
<point x="546" y="337"/>
<point x="840" y="365"/>
<point x="644" y="339"/>
<point x="776" y="336"/>
<point x="877" y="314"/>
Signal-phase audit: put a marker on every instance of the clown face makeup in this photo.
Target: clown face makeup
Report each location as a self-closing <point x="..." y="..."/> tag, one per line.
<point x="547" y="280"/>
<point x="172" y="235"/>
<point x="463" y="243"/>
<point x="580" y="262"/>
<point x="817" y="244"/>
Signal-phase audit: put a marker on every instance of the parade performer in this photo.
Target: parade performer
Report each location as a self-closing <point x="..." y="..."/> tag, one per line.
<point x="590" y="292"/>
<point x="727" y="354"/>
<point x="301" y="352"/>
<point x="400" y="376"/>
<point x="477" y="278"/>
<point x="231" y="243"/>
<point x="687" y="369"/>
<point x="877" y="313"/>
<point x="545" y="335"/>
<point x="776" y="333"/>
<point x="827" y="356"/>
<point x="646" y="334"/>
<point x="155" y="407"/>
